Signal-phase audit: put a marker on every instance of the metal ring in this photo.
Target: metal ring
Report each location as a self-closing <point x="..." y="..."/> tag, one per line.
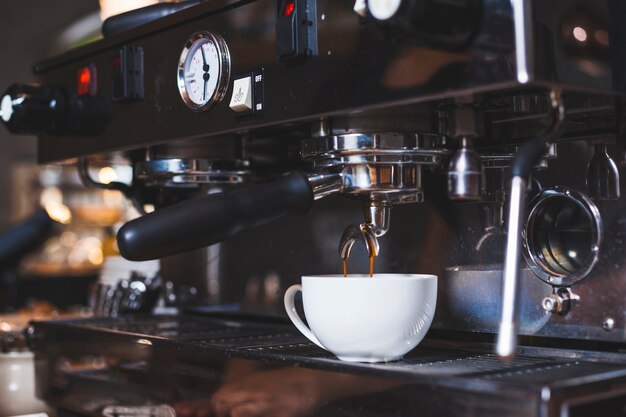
<point x="384" y="148"/>
<point x="563" y="236"/>
<point x="177" y="171"/>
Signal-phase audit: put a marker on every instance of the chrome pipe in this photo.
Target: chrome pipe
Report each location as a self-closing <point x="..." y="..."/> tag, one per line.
<point x="324" y="184"/>
<point x="506" y="342"/>
<point x="527" y="156"/>
<point x="378" y="216"/>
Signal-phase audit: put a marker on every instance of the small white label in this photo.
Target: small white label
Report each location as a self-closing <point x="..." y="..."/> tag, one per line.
<point x="259" y="106"/>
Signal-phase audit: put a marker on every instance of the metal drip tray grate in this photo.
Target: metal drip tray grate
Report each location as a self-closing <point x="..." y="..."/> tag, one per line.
<point x="423" y="361"/>
<point x="283" y="344"/>
<point x="169" y="328"/>
<point x="462" y="363"/>
<point x="548" y="372"/>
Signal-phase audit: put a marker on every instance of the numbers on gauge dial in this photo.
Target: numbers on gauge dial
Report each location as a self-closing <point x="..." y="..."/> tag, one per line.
<point x="202" y="71"/>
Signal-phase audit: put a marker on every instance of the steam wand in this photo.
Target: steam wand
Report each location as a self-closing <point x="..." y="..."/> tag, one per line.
<point x="527" y="156"/>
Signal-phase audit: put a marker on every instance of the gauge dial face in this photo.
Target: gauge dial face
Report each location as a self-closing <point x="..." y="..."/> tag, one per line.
<point x="203" y="70"/>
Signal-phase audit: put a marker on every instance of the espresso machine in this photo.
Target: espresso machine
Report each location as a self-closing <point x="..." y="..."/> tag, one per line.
<point x="478" y="140"/>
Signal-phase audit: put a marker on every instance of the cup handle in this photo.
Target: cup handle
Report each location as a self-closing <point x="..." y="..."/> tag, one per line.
<point x="290" y="306"/>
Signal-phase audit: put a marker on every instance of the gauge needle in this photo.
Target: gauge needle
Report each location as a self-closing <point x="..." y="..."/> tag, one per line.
<point x="205" y="67"/>
<point x="205" y="77"/>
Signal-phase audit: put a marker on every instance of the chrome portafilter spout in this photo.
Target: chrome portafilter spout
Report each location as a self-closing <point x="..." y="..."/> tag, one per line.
<point x="362" y="233"/>
<point x="602" y="175"/>
<point x="377" y="216"/>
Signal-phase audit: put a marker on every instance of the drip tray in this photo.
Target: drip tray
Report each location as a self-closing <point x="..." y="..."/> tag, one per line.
<point x="284" y="344"/>
<point x="538" y="377"/>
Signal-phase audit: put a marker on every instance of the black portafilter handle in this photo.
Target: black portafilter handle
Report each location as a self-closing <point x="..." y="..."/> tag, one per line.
<point x="203" y="221"/>
<point x="125" y="21"/>
<point x="24" y="237"/>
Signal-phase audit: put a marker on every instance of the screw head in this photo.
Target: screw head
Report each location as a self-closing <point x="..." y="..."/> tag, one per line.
<point x="550" y="304"/>
<point x="608" y="324"/>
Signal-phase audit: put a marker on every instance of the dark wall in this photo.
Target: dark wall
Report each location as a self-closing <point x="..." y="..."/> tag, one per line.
<point x="28" y="29"/>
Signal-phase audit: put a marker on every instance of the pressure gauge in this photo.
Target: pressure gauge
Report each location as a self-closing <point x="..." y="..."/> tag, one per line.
<point x="203" y="70"/>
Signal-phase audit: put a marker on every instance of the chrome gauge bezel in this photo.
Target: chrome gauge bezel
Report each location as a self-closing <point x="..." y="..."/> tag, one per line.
<point x="223" y="71"/>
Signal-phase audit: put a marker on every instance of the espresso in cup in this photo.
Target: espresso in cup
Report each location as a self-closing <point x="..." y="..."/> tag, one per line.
<point x="365" y="319"/>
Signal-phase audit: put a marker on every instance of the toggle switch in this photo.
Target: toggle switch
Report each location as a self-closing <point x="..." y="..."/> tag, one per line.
<point x="128" y="74"/>
<point x="241" y="100"/>
<point x="296" y="29"/>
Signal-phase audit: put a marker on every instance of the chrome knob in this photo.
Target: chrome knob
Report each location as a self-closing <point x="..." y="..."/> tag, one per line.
<point x="552" y="303"/>
<point x="465" y="173"/>
<point x="560" y="302"/>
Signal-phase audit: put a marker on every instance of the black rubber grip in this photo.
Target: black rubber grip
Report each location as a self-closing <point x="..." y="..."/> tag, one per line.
<point x="23" y="238"/>
<point x="204" y="221"/>
<point x="527" y="156"/>
<point x="125" y="21"/>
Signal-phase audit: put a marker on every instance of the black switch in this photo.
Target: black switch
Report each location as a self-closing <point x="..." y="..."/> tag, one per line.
<point x="296" y="29"/>
<point x="128" y="74"/>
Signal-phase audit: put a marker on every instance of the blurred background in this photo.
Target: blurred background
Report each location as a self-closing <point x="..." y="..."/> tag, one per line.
<point x="60" y="268"/>
<point x="31" y="30"/>
<point x="57" y="248"/>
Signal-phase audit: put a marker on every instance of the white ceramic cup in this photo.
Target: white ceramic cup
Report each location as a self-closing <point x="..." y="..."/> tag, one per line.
<point x="363" y="319"/>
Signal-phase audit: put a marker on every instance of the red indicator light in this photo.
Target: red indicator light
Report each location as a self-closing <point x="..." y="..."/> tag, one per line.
<point x="289" y="7"/>
<point x="85" y="81"/>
